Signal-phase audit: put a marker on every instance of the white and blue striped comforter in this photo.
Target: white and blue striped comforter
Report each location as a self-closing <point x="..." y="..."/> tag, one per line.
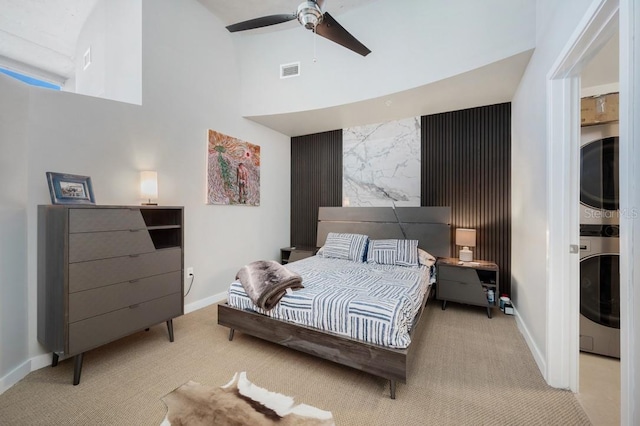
<point x="370" y="302"/>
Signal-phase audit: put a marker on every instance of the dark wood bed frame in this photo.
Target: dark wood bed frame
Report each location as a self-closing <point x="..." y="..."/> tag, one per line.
<point x="429" y="225"/>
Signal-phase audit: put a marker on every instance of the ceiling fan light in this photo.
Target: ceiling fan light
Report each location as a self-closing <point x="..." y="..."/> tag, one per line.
<point x="309" y="14"/>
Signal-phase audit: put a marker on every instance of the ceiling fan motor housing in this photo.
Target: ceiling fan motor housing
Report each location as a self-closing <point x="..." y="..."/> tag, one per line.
<point x="309" y="14"/>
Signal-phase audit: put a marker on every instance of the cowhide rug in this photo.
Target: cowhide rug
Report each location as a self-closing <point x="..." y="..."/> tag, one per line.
<point x="239" y="402"/>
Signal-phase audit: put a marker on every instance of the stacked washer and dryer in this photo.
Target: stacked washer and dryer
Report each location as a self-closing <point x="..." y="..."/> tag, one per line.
<point x="599" y="241"/>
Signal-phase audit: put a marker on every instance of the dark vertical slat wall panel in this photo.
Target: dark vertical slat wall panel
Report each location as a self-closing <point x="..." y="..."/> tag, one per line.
<point x="316" y="181"/>
<point x="466" y="164"/>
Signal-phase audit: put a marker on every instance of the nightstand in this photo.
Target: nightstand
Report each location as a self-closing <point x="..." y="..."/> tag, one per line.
<point x="467" y="282"/>
<point x="291" y="254"/>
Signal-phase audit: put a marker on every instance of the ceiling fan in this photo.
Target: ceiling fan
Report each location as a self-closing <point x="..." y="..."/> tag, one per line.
<point x="311" y="16"/>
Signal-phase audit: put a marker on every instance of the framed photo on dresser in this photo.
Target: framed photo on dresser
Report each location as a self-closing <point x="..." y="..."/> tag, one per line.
<point x="70" y="189"/>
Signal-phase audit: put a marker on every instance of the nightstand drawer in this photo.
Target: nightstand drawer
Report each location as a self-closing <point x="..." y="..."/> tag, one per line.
<point x="291" y="254"/>
<point x="464" y="292"/>
<point x="299" y="254"/>
<point x="457" y="273"/>
<point x="85" y="304"/>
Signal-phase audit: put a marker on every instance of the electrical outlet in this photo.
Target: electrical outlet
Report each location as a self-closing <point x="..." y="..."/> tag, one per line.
<point x="189" y="272"/>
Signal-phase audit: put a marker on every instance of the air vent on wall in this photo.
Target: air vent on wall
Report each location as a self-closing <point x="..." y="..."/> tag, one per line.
<point x="290" y="70"/>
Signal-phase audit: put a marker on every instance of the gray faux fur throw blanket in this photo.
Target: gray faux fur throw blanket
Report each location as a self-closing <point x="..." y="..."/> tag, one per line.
<point x="266" y="281"/>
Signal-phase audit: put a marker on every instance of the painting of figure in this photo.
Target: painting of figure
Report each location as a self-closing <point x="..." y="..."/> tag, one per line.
<point x="233" y="171"/>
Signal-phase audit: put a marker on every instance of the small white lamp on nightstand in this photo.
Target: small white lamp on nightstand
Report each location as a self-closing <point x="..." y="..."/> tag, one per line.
<point x="466" y="238"/>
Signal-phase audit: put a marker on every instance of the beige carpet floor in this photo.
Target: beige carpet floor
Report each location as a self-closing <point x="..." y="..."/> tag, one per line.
<point x="468" y="370"/>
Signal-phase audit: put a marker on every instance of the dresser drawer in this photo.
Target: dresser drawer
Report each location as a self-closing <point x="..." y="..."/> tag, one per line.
<point x="92" y="220"/>
<point x="97" y="273"/>
<point x="101" y="245"/>
<point x="464" y="292"/>
<point x="101" y="329"/>
<point x="85" y="304"/>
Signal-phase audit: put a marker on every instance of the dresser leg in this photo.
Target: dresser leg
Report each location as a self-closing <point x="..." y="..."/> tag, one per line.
<point x="392" y="386"/>
<point x="444" y="305"/>
<point x="489" y="312"/>
<point x="170" y="329"/>
<point x="54" y="360"/>
<point x="231" y="330"/>
<point x="77" y="368"/>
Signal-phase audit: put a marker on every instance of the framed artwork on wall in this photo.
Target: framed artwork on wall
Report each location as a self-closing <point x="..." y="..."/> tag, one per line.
<point x="233" y="171"/>
<point x="70" y="189"/>
<point x="381" y="164"/>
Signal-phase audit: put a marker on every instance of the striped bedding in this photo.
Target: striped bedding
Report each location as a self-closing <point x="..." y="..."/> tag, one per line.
<point x="370" y="302"/>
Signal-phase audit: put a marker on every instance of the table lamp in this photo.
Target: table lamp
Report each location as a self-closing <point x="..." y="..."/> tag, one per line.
<point x="466" y="238"/>
<point x="149" y="187"/>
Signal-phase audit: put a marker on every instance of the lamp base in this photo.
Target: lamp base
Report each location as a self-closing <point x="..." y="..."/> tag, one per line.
<point x="149" y="204"/>
<point x="466" y="255"/>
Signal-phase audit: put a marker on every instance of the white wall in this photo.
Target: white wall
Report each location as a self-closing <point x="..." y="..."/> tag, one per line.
<point x="449" y="38"/>
<point x="556" y="23"/>
<point x="114" y="35"/>
<point x="14" y="323"/>
<point x="185" y="93"/>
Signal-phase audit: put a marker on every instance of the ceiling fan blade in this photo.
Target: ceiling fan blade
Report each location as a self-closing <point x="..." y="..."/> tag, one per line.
<point x="330" y="29"/>
<point x="264" y="21"/>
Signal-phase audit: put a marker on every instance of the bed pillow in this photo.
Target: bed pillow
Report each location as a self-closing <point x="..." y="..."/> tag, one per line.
<point x="345" y="246"/>
<point x="425" y="258"/>
<point x="393" y="252"/>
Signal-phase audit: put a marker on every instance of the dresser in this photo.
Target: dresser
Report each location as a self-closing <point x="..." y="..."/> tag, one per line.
<point x="105" y="272"/>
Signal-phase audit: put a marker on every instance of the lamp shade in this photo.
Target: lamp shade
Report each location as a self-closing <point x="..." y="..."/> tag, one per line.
<point x="466" y="237"/>
<point x="149" y="185"/>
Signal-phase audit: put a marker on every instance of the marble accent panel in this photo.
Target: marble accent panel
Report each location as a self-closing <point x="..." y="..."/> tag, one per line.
<point x="381" y="164"/>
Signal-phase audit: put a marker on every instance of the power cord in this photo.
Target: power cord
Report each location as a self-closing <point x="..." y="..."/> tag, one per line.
<point x="193" y="277"/>
<point x="393" y="206"/>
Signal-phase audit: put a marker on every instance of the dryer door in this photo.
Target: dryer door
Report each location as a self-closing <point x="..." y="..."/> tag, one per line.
<point x="600" y="289"/>
<point x="599" y="174"/>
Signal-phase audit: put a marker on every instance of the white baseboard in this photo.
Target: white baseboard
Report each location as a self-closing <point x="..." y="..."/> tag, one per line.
<point x="203" y="303"/>
<point x="15" y="376"/>
<point x="535" y="351"/>
<point x="44" y="360"/>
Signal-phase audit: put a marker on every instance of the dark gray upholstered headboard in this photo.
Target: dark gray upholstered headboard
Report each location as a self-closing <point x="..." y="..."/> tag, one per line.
<point x="429" y="225"/>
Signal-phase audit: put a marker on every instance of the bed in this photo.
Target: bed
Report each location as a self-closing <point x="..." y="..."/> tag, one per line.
<point x="385" y="357"/>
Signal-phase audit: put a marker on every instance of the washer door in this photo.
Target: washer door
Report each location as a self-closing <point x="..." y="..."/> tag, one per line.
<point x="599" y="174"/>
<point x="600" y="289"/>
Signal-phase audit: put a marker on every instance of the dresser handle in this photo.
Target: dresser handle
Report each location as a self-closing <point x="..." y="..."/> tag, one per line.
<point x="134" y="281"/>
<point x="134" y="306"/>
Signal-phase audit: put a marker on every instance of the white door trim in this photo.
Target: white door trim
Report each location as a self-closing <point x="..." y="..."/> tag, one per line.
<point x="563" y="145"/>
<point x="630" y="212"/>
<point x="562" y="324"/>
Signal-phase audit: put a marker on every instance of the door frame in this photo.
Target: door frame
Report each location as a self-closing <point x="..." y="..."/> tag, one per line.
<point x="602" y="18"/>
